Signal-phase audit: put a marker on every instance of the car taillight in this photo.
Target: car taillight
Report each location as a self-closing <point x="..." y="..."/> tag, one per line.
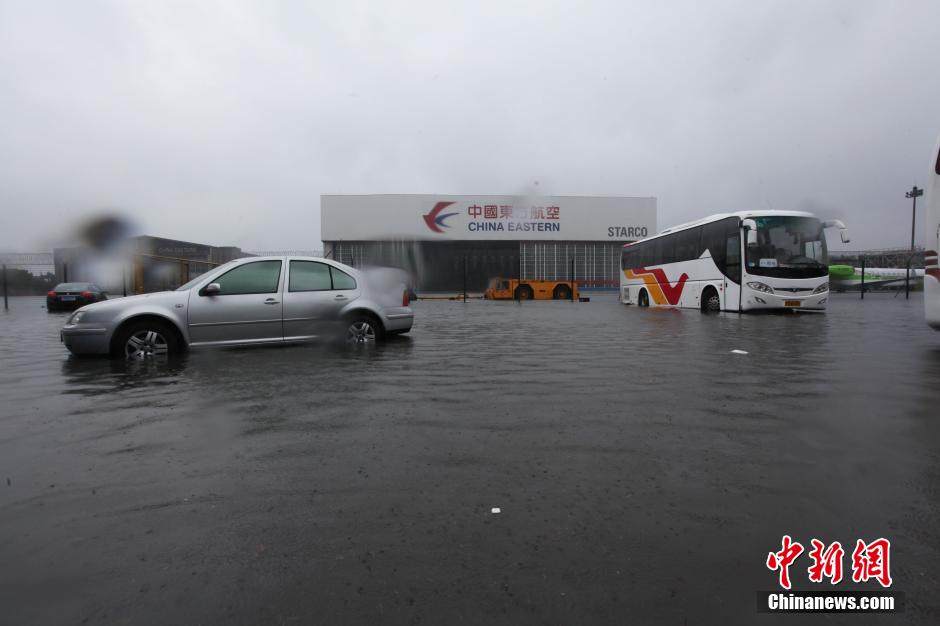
<point x="87" y="294"/>
<point x="51" y="294"/>
<point x="404" y="298"/>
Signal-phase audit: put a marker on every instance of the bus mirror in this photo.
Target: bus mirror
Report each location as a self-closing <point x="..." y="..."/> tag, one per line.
<point x="843" y="231"/>
<point x="751" y="237"/>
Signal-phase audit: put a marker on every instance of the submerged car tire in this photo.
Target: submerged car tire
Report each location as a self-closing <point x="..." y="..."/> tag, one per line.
<point x="643" y="299"/>
<point x="711" y="303"/>
<point x="562" y="292"/>
<point x="524" y="292"/>
<point x="144" y="339"/>
<point x="363" y="329"/>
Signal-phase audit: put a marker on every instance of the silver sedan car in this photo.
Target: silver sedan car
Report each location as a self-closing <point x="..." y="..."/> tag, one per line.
<point x="248" y="301"/>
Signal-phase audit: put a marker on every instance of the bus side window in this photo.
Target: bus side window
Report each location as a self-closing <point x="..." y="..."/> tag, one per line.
<point x="627" y="259"/>
<point x="663" y="250"/>
<point x="669" y="249"/>
<point x="714" y="240"/>
<point x="687" y="245"/>
<point x="638" y="258"/>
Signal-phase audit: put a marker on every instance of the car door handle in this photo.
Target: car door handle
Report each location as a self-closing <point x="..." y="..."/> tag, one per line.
<point x="340" y="297"/>
<point x="271" y="301"/>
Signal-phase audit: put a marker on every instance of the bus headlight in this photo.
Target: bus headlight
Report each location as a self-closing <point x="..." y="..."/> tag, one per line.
<point x="823" y="288"/>
<point x="760" y="287"/>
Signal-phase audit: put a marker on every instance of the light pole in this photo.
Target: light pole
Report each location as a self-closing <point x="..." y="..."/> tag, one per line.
<point x="913" y="194"/>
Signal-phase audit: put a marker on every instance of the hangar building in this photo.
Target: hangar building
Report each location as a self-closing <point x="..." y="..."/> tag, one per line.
<point x="436" y="239"/>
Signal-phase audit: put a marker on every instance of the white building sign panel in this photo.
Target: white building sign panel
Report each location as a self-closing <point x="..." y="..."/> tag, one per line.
<point x="432" y="217"/>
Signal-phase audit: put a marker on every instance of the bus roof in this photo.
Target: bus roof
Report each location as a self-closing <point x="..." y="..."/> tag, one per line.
<point x="721" y="216"/>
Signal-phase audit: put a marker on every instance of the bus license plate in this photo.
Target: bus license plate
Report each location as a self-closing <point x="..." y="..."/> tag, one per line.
<point x="791" y="303"/>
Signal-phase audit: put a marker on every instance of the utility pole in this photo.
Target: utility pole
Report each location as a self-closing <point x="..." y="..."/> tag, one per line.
<point x="862" y="284"/>
<point x="571" y="276"/>
<point x="913" y="194"/>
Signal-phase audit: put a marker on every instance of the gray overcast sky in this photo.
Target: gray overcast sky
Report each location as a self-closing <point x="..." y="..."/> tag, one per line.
<point x="222" y="122"/>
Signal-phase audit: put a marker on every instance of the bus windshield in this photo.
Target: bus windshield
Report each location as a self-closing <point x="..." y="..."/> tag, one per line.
<point x="788" y="247"/>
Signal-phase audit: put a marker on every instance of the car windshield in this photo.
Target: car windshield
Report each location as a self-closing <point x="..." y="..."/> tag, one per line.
<point x="787" y="243"/>
<point x="191" y="283"/>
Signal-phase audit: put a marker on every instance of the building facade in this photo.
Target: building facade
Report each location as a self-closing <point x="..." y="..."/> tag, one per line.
<point x="142" y="264"/>
<point x="443" y="241"/>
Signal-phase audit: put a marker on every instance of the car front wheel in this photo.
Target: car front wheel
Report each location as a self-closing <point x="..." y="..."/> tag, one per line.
<point x="145" y="339"/>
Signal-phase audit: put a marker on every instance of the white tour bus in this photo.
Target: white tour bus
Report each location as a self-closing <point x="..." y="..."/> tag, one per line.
<point x="932" y="242"/>
<point x="699" y="265"/>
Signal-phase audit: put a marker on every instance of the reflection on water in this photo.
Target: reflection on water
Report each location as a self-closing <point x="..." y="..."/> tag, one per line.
<point x="610" y="435"/>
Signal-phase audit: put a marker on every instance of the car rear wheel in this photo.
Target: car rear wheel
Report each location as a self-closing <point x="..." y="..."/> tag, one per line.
<point x="145" y="339"/>
<point x="363" y="329"/>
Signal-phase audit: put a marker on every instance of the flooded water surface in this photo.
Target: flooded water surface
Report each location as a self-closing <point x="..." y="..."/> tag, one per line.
<point x="643" y="470"/>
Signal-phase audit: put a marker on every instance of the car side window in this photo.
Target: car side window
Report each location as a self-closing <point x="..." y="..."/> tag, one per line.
<point x="309" y="276"/>
<point x="342" y="280"/>
<point x="257" y="277"/>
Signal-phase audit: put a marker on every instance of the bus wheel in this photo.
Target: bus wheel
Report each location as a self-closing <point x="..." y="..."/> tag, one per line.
<point x="524" y="292"/>
<point x="562" y="292"/>
<point x="711" y="303"/>
<point x="643" y="299"/>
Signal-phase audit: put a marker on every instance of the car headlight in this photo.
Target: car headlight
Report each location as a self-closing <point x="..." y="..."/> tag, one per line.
<point x="76" y="318"/>
<point x="760" y="287"/>
<point x="823" y="288"/>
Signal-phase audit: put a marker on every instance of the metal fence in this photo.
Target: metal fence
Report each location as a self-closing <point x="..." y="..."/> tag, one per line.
<point x="596" y="264"/>
<point x="883" y="257"/>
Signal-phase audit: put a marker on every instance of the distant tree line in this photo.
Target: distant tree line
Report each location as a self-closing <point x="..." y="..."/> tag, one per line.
<point x="22" y="283"/>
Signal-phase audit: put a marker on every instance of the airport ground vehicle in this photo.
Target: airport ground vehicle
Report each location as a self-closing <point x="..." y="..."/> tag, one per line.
<point x="70" y="296"/>
<point x="932" y="242"/>
<point x="247" y="301"/>
<point x="732" y="262"/>
<point x="515" y="289"/>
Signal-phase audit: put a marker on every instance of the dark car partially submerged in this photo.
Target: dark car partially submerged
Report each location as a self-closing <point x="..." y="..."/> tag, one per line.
<point x="70" y="296"/>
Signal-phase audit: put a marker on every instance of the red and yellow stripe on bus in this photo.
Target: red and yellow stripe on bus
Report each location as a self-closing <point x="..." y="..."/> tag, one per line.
<point x="659" y="287"/>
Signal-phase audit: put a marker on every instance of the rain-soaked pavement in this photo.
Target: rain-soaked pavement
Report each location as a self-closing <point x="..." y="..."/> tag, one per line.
<point x="643" y="471"/>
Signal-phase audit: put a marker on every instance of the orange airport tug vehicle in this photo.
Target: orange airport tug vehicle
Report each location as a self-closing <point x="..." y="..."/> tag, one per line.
<point x="515" y="289"/>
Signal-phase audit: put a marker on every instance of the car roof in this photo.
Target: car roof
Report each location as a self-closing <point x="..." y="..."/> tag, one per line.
<point x="290" y="257"/>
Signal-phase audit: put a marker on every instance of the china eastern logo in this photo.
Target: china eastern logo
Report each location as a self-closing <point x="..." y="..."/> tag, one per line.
<point x="435" y="220"/>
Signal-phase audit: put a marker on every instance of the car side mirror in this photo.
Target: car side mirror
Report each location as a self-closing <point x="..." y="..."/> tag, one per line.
<point x="211" y="289"/>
